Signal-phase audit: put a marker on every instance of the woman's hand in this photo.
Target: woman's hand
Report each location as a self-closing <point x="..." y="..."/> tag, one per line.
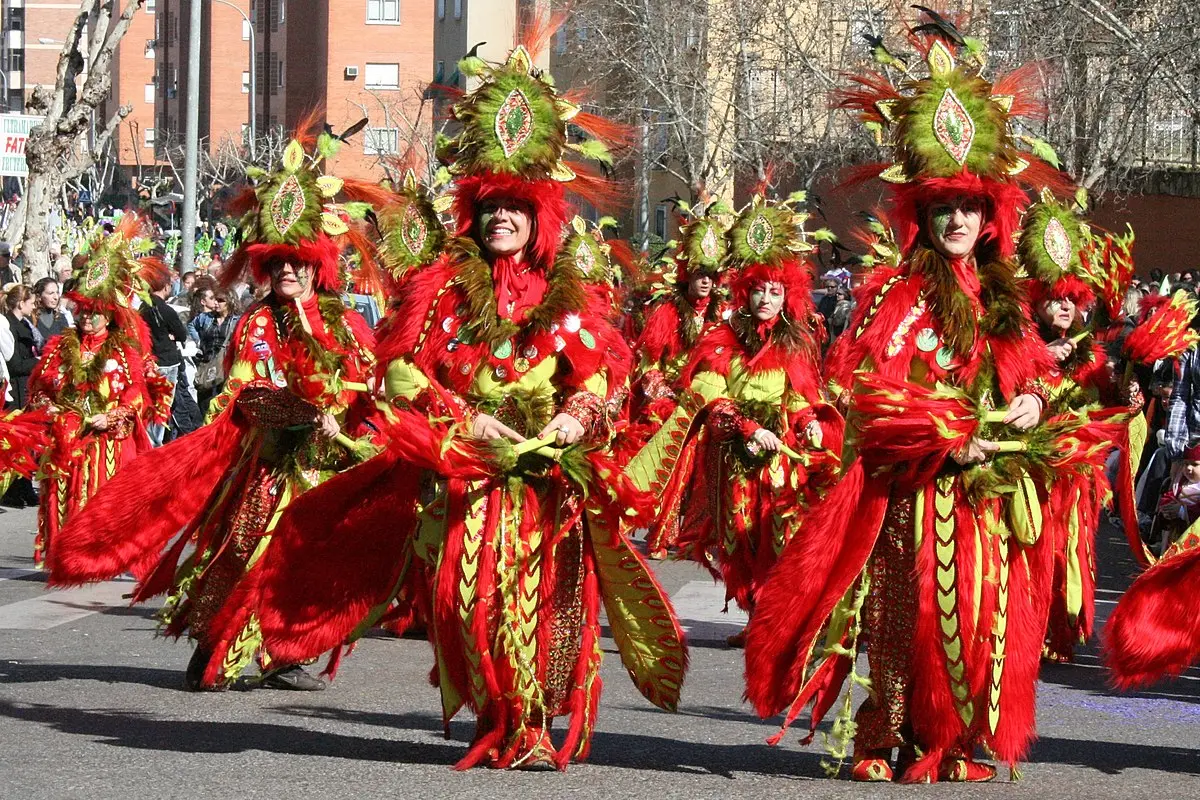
<point x="487" y="427"/>
<point x="976" y="452"/>
<point x="813" y="431"/>
<point x="766" y="440"/>
<point x="566" y="428"/>
<point x="99" y="422"/>
<point x="1061" y="349"/>
<point x="1025" y="412"/>
<point x="327" y="424"/>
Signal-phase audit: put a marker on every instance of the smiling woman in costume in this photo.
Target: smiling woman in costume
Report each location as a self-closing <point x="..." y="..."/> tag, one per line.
<point x="928" y="546"/>
<point x="497" y="365"/>
<point x="297" y="365"/>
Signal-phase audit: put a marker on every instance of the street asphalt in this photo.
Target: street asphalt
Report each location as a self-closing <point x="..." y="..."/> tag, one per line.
<point x="91" y="706"/>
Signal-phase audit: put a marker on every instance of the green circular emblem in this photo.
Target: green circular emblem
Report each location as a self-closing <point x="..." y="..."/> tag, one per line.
<point x="504" y="349"/>
<point x="588" y="340"/>
<point x="944" y="357"/>
<point x="927" y="340"/>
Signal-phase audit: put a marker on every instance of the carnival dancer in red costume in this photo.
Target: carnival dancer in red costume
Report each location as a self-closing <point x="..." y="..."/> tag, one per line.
<point x="496" y="483"/>
<point x="691" y="303"/>
<point x="1081" y="383"/>
<point x="298" y="362"/>
<point x="927" y="552"/>
<point x="757" y="441"/>
<point x="96" y="383"/>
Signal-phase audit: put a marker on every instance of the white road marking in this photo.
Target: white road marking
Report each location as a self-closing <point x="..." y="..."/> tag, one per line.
<point x="698" y="605"/>
<point x="52" y="609"/>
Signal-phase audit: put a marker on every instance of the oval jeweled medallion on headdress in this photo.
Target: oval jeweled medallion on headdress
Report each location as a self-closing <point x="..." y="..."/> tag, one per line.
<point x="1057" y="243"/>
<point x="287" y="206"/>
<point x="953" y="127"/>
<point x="759" y="234"/>
<point x="514" y="122"/>
<point x="413" y="231"/>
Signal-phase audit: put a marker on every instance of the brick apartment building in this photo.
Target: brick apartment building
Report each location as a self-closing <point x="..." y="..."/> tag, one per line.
<point x="344" y="59"/>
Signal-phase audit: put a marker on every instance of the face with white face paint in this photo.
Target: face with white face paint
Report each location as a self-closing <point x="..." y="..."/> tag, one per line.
<point x="766" y="300"/>
<point x="953" y="225"/>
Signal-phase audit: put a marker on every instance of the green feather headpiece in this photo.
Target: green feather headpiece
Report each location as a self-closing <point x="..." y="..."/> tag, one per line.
<point x="703" y="237"/>
<point x="413" y="232"/>
<point x="588" y="251"/>
<point x="771" y="232"/>
<point x="951" y="120"/>
<point x="292" y="204"/>
<point x="514" y="122"/>
<point x="120" y="266"/>
<point x="1052" y="237"/>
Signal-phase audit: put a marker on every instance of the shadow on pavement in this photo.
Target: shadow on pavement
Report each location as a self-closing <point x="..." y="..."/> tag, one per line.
<point x="1091" y="678"/>
<point x="635" y="751"/>
<point x="1113" y="758"/>
<point x="39" y="672"/>
<point x="613" y="749"/>
<point x="143" y="732"/>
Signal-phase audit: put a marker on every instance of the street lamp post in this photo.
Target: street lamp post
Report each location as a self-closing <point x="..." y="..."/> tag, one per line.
<point x="253" y="78"/>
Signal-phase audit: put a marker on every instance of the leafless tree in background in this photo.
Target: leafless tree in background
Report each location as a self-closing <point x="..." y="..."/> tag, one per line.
<point x="57" y="150"/>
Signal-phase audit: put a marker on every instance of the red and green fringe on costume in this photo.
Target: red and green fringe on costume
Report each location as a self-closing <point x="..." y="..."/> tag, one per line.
<point x="225" y="485"/>
<point x="105" y="374"/>
<point x="513" y="556"/>
<point x="930" y="571"/>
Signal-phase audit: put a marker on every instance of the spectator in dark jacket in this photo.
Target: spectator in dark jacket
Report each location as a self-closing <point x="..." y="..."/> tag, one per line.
<point x="51" y="318"/>
<point x="19" y="305"/>
<point x="167" y="334"/>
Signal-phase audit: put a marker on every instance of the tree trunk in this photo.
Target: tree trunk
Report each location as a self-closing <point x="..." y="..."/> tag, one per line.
<point x="41" y="194"/>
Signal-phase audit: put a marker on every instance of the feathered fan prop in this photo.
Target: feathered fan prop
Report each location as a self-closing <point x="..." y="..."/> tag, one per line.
<point x="1165" y="332"/>
<point x="1108" y="259"/>
<point x="905" y="423"/>
<point x="24" y="436"/>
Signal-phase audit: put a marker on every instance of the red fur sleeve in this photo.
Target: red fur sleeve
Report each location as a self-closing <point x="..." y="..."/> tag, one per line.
<point x="882" y="302"/>
<point x="401" y="331"/>
<point x="660" y="340"/>
<point x="713" y="353"/>
<point x="1020" y="361"/>
<point x="593" y="346"/>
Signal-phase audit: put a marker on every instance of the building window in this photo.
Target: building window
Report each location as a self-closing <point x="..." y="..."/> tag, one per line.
<point x="441" y="9"/>
<point x="458" y="9"/>
<point x="280" y="79"/>
<point x="381" y="141"/>
<point x="150" y="4"/>
<point x="383" y="76"/>
<point x="660" y="222"/>
<point x="245" y="82"/>
<point x="149" y="97"/>
<point x="383" y="12"/>
<point x="148" y="137"/>
<point x="245" y="30"/>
